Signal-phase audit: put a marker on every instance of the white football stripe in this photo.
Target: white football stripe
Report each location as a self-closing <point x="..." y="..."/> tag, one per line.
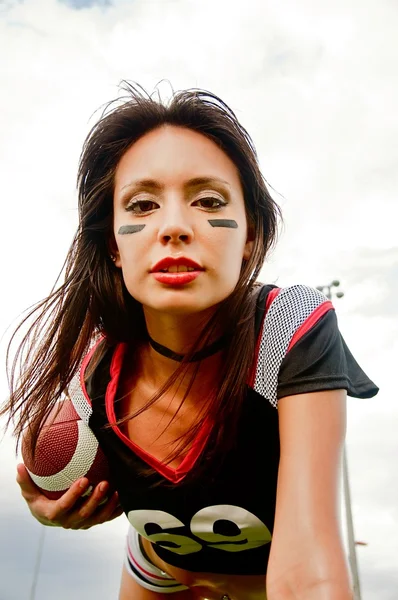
<point x="79" y="465"/>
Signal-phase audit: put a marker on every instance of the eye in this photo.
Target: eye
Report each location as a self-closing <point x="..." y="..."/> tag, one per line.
<point x="210" y="203"/>
<point x="140" y="207"/>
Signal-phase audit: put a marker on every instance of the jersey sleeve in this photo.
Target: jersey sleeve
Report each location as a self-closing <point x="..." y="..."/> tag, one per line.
<point x="321" y="360"/>
<point x="300" y="349"/>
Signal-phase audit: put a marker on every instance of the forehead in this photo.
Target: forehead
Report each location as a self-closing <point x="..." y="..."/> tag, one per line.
<point x="170" y="154"/>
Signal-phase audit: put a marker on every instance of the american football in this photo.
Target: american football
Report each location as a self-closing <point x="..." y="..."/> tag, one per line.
<point x="66" y="450"/>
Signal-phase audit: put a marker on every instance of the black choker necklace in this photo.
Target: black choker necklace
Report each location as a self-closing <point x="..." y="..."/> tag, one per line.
<point x="200" y="355"/>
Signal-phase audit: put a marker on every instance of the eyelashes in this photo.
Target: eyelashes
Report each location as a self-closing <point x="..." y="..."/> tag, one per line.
<point x="143" y="206"/>
<point x="209" y="203"/>
<point x="220" y="203"/>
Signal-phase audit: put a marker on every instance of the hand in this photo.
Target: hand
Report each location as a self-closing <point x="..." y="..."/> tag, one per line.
<point x="70" y="511"/>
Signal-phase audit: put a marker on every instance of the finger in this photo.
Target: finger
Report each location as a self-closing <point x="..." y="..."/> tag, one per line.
<point x="93" y="502"/>
<point x="68" y="500"/>
<point x="23" y="476"/>
<point x="54" y="512"/>
<point x="107" y="512"/>
<point x="28" y="489"/>
<point x="112" y="507"/>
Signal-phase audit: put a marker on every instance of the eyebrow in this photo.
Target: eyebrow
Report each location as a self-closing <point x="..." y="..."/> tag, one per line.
<point x="151" y="185"/>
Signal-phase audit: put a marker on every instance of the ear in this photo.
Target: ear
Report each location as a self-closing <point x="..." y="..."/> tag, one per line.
<point x="114" y="252"/>
<point x="248" y="250"/>
<point x="249" y="243"/>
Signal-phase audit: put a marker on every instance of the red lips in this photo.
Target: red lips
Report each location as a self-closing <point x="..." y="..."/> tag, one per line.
<point x="176" y="279"/>
<point x="169" y="261"/>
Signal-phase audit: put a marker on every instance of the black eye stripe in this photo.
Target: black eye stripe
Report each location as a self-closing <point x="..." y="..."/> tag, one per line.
<point x="230" y="223"/>
<point x="223" y="223"/>
<point x="124" y="229"/>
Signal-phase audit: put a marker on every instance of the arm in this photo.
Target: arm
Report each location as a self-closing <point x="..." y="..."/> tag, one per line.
<point x="307" y="559"/>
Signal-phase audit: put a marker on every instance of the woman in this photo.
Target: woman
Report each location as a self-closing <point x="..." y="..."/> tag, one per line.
<point x="219" y="402"/>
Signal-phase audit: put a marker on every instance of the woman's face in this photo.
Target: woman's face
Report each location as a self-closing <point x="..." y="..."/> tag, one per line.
<point x="178" y="199"/>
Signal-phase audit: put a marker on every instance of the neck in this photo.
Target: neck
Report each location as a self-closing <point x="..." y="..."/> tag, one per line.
<point x="196" y="356"/>
<point x="155" y="369"/>
<point x="178" y="334"/>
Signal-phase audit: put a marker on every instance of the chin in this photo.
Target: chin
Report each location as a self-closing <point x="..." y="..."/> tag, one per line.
<point x="182" y="301"/>
<point x="181" y="308"/>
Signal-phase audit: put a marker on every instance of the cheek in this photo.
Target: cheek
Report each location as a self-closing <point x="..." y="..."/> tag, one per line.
<point x="228" y="247"/>
<point x="132" y="251"/>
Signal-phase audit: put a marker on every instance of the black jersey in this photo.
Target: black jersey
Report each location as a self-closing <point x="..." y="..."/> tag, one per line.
<point x="223" y="522"/>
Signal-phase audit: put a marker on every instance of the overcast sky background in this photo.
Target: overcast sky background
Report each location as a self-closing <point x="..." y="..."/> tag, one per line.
<point x="316" y="85"/>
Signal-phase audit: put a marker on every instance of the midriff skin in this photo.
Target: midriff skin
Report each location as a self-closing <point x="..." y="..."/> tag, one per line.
<point x="211" y="586"/>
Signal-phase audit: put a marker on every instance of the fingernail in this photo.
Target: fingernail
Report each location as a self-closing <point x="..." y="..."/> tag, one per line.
<point x="83" y="483"/>
<point x="103" y="486"/>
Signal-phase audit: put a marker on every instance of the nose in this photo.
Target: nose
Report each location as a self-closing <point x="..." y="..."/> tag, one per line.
<point x="175" y="226"/>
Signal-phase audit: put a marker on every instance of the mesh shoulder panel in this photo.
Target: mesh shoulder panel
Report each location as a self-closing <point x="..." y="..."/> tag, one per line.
<point x="78" y="399"/>
<point x="287" y="312"/>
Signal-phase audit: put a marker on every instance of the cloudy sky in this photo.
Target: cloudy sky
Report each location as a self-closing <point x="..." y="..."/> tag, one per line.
<point x="316" y="85"/>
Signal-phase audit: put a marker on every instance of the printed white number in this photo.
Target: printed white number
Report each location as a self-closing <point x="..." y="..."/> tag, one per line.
<point x="183" y="544"/>
<point x="253" y="532"/>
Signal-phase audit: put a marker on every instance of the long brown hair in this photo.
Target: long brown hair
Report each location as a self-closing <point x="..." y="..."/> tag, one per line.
<point x="93" y="298"/>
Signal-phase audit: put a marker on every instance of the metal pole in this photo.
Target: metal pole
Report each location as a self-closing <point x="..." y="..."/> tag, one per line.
<point x="32" y="595"/>
<point x="352" y="556"/>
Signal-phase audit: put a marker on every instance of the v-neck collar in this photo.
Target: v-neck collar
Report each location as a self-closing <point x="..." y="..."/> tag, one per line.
<point x="174" y="475"/>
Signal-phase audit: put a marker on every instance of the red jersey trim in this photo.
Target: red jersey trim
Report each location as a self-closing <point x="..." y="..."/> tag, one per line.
<point x="309" y="323"/>
<point x="83" y="368"/>
<point x="272" y="294"/>
<point x="175" y="475"/>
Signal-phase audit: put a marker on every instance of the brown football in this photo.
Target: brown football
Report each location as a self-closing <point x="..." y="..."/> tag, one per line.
<point x="66" y="450"/>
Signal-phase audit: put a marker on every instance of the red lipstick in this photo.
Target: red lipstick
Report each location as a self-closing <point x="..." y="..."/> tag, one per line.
<point x="159" y="271"/>
<point x="170" y="261"/>
<point x="176" y="278"/>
